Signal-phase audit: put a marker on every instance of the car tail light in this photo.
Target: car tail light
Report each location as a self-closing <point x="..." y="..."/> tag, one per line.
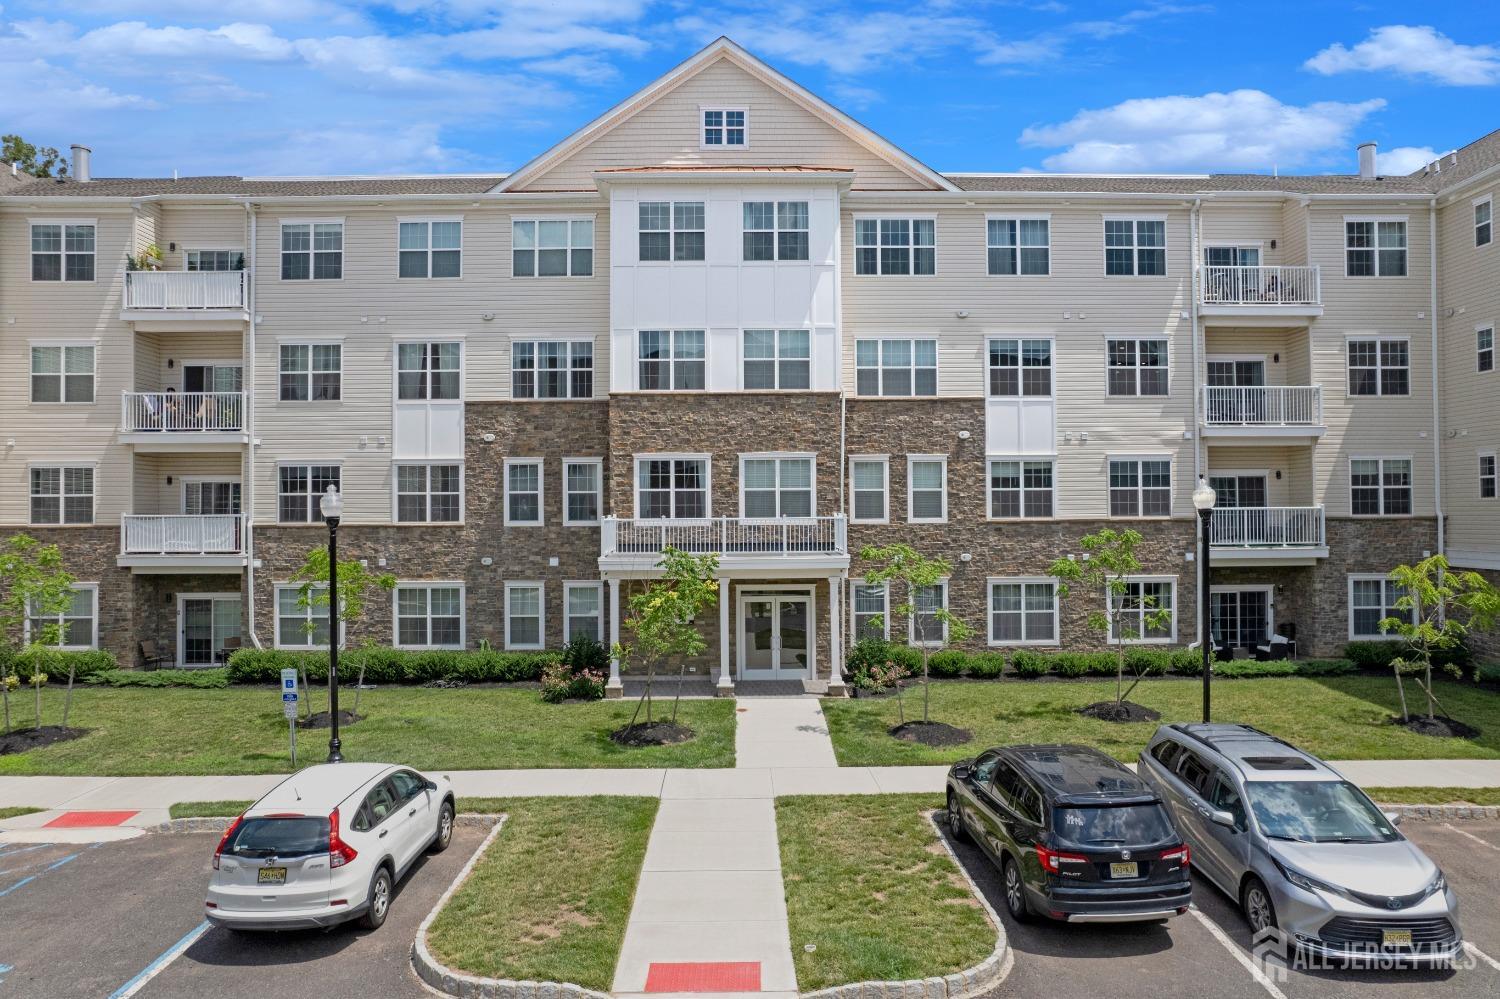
<point x="1183" y="853"/>
<point x="224" y="840"/>
<point x="339" y="852"/>
<point x="1052" y="860"/>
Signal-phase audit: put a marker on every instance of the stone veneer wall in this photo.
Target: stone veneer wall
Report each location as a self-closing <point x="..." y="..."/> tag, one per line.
<point x="1486" y="645"/>
<point x="90" y="554"/>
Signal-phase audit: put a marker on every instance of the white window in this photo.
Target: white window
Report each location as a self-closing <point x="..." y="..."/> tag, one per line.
<point x="895" y="366"/>
<point x="775" y="230"/>
<point x="924" y="626"/>
<point x="429" y="494"/>
<point x="1020" y="488"/>
<point x="1020" y="367"/>
<point x="552" y="247"/>
<point x="1144" y="597"/>
<point x="1019" y="246"/>
<point x="1137" y="366"/>
<point x="62" y="373"/>
<point x="583" y="605"/>
<point x="1379" y="366"/>
<point x="62" y="251"/>
<point x="1135" y="247"/>
<point x="552" y="369"/>
<point x="523" y="491"/>
<point x="312" y="251"/>
<point x="430" y="615"/>
<point x="895" y="246"/>
<point x="926" y="488"/>
<point x="1380" y="487"/>
<point x="1484" y="224"/>
<point x="1023" y="612"/>
<point x="583" y="480"/>
<point x="1487" y="476"/>
<point x="302" y="625"/>
<point x="1484" y="339"/>
<point x="311" y="372"/>
<point x="1140" y="487"/>
<point x="430" y="248"/>
<point x="1375" y="247"/>
<point x="211" y="497"/>
<point x="671" y="230"/>
<point x="214" y="260"/>
<point x="772" y="486"/>
<point x="778" y="359"/>
<point x="867" y="600"/>
<point x="869" y="483"/>
<point x="524" y="616"/>
<point x="672" y="360"/>
<point x="669" y="487"/>
<point x="724" y="127"/>
<point x="77" y="627"/>
<point x="1372" y="599"/>
<point x="62" y="494"/>
<point x="299" y="488"/>
<point x="429" y="371"/>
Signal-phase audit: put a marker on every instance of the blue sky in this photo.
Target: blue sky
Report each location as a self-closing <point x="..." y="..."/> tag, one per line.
<point x="329" y="86"/>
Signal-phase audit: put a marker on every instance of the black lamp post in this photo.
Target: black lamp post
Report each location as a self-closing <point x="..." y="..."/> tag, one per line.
<point x="1203" y="501"/>
<point x="332" y="505"/>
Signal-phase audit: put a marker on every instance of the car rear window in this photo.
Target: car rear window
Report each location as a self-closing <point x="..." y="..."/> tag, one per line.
<point x="1101" y="825"/>
<point x="281" y="837"/>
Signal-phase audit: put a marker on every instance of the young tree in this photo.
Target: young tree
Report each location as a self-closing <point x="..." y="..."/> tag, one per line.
<point x="39" y="161"/>
<point x="356" y="582"/>
<point x="660" y="621"/>
<point x="33" y="584"/>
<point x="1109" y="558"/>
<point x="1442" y="605"/>
<point x="933" y="627"/>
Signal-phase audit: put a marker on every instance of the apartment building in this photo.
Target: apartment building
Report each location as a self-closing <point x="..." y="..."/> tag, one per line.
<point x="727" y="317"/>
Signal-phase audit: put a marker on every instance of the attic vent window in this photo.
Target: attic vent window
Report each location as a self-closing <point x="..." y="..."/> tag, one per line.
<point x="724" y="127"/>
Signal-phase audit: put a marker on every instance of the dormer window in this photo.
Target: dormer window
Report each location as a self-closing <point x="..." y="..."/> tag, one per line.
<point x="724" y="127"/>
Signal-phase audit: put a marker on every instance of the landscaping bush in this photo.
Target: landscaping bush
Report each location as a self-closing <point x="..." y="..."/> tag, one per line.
<point x="85" y="662"/>
<point x="946" y="664"/>
<point x="1245" y="669"/>
<point x="1378" y="654"/>
<point x="559" y="683"/>
<point x="1030" y="665"/>
<point x="200" y="679"/>
<point x="394" y="666"/>
<point x="986" y="665"/>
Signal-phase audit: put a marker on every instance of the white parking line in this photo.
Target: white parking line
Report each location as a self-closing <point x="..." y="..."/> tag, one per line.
<point x="1475" y="952"/>
<point x="159" y="965"/>
<point x="1469" y="835"/>
<point x="1239" y="955"/>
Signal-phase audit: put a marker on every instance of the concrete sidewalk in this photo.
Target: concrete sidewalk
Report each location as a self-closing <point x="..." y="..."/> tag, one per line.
<point x="788" y="732"/>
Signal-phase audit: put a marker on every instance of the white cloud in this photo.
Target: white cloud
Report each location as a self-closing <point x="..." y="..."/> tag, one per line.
<point x="344" y="149"/>
<point x="1131" y="20"/>
<point x="1413" y="51"/>
<point x="37" y="93"/>
<point x="1245" y="130"/>
<point x="237" y="41"/>
<point x="1405" y="159"/>
<point x="583" y="68"/>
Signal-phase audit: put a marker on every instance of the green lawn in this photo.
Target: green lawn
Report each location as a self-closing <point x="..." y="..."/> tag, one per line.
<point x="549" y="900"/>
<point x="18" y="810"/>
<point x="868" y="883"/>
<point x="1435" y="795"/>
<point x="1340" y="718"/>
<point x="229" y="809"/>
<point x="241" y="731"/>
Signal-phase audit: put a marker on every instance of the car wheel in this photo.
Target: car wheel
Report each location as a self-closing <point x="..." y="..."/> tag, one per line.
<point x="444" y="828"/>
<point x="1015" y="892"/>
<point x="380" y="900"/>
<point x="1255" y="902"/>
<point x="956" y="819"/>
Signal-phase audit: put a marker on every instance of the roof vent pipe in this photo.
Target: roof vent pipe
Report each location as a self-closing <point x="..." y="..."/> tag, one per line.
<point x="1367" y="161"/>
<point x="81" y="163"/>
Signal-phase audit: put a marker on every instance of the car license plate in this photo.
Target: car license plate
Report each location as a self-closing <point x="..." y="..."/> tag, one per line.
<point x="1130" y="870"/>
<point x="1395" y="938"/>
<point x="277" y="876"/>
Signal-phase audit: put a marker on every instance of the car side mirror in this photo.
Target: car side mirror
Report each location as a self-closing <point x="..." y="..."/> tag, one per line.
<point x="1394" y="818"/>
<point x="1220" y="817"/>
<point x="432" y="785"/>
<point x="962" y="772"/>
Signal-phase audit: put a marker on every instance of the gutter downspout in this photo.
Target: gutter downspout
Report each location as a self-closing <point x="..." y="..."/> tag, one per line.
<point x="249" y="489"/>
<point x="1199" y="457"/>
<point x="1437" y="439"/>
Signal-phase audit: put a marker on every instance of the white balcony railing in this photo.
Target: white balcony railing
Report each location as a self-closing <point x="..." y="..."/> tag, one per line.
<point x="184" y="290"/>
<point x="211" y="534"/>
<point x="1288" y="285"/>
<point x="1263" y="405"/>
<point x="182" y="412"/>
<point x="727" y="536"/>
<point x="1267" y="527"/>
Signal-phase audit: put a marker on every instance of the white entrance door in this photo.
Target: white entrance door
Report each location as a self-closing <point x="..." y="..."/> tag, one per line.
<point x="776" y="636"/>
<point x="204" y="621"/>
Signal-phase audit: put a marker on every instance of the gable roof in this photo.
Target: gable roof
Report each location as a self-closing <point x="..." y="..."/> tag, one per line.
<point x="723" y="49"/>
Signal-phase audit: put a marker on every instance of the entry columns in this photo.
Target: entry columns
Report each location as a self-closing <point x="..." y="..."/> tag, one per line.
<point x="614" y="688"/>
<point x="835" y="639"/>
<point x="726" y="682"/>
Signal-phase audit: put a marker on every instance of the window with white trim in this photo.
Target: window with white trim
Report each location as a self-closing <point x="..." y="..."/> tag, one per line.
<point x="1019" y="246"/>
<point x="429" y="371"/>
<point x="62" y="494"/>
<point x="778" y="359"/>
<point x="583" y="611"/>
<point x="75" y="627"/>
<point x="62" y="373"/>
<point x="1023" y="612"/>
<point x="1142" y="599"/>
<point x="773" y="487"/>
<point x="1135" y="247"/>
<point x="1020" y="367"/>
<point x="552" y="247"/>
<point x="775" y="230"/>
<point x="524" y="616"/>
<point x="301" y="624"/>
<point x="1487" y="476"/>
<point x="429" y="616"/>
<point x="1380" y="487"/>
<point x="672" y="360"/>
<point x="430" y="248"/>
<point x="926" y="488"/>
<point x="1375" y="247"/>
<point x="582" y="490"/>
<point x="299" y="488"/>
<point x="869" y="481"/>
<point x="925" y="626"/>
<point x="62" y="251"/>
<point x="895" y="366"/>
<point x="211" y="497"/>
<point x="671" y="488"/>
<point x="523" y="491"/>
<point x="429" y="494"/>
<point x="895" y="246"/>
<point x="552" y="369"/>
<point x="1020" y="489"/>
<point x="671" y="230"/>
<point x="1372" y="599"/>
<point x="1379" y="366"/>
<point x="311" y="372"/>
<point x="312" y="251"/>
<point x="214" y="260"/>
<point x="724" y="126"/>
<point x="1484" y="341"/>
<point x="866" y="602"/>
<point x="1137" y="366"/>
<point x="1484" y="223"/>
<point x="1140" y="487"/>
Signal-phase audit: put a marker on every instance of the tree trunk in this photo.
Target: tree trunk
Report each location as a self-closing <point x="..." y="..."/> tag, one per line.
<point x="926" y="688"/>
<point x="306" y="694"/>
<point x="68" y="699"/>
<point x="681" y="672"/>
<point x="358" y="687"/>
<point x="37" y="689"/>
<point x="1431" y="701"/>
<point x="1401" y="692"/>
<point x="5" y="696"/>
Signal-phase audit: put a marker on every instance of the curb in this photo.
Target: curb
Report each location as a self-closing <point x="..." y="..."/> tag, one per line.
<point x="965" y="984"/>
<point x="1442" y="813"/>
<point x="220" y="823"/>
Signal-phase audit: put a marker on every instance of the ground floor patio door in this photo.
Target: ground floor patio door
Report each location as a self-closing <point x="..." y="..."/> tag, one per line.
<point x="1241" y="617"/>
<point x="776" y="635"/>
<point x="204" y="622"/>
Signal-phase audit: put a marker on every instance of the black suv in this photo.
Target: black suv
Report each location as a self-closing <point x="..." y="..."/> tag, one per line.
<point x="1076" y="836"/>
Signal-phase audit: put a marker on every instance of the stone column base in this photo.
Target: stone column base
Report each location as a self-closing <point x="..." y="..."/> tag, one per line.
<point x="837" y="690"/>
<point x="614" y="691"/>
<point x="724" y="689"/>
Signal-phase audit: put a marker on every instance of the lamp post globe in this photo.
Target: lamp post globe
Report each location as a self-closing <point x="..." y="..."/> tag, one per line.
<point x="332" y="507"/>
<point x="1204" y="498"/>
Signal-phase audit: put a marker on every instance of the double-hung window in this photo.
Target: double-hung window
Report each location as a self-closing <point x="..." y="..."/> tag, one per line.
<point x="1379" y="366"/>
<point x="1135" y="247"/>
<point x="778" y="359"/>
<point x="582" y="488"/>
<point x="869" y="481"/>
<point x="926" y="488"/>
<point x="552" y="369"/>
<point x="312" y="251"/>
<point x="298" y="490"/>
<point x="671" y="488"/>
<point x="1484" y="341"/>
<point x="1484" y="222"/>
<point x="75" y="627"/>
<point x="869" y="609"/>
<point x="672" y="360"/>
<point x="62" y="494"/>
<point x="552" y="247"/>
<point x="1023" y="612"/>
<point x="1380" y="487"/>
<point x="301" y="623"/>
<point x="523" y="491"/>
<point x="1019" y="246"/>
<point x="583" y="605"/>
<point x="430" y="616"/>
<point x="895" y="246"/>
<point x="1137" y="367"/>
<point x="1020" y="489"/>
<point x="215" y="260"/>
<point x="429" y="494"/>
<point x="1375" y="247"/>
<point x="62" y="373"/>
<point x="1372" y="599"/>
<point x="671" y="230"/>
<point x="926" y="626"/>
<point x="311" y="372"/>
<point x="62" y="251"/>
<point x="428" y="371"/>
<point x="775" y="487"/>
<point x="895" y="366"/>
<point x="1020" y="367"/>
<point x="1139" y="604"/>
<point x="430" y="248"/>
<point x="775" y="230"/>
<point x="724" y="127"/>
<point x="524" y="616"/>
<point x="1140" y="487"/>
<point x="1487" y="484"/>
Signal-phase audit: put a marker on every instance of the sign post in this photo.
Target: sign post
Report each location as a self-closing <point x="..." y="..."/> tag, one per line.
<point x="289" y="708"/>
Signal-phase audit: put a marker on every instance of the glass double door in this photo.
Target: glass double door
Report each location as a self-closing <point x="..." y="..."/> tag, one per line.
<point x="205" y="622"/>
<point x="1241" y="618"/>
<point x="776" y="636"/>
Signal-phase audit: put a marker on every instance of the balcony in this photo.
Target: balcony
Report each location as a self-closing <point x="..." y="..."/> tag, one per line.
<point x="182" y="421"/>
<point x="811" y="544"/>
<point x="1260" y="414"/>
<point x="1268" y="535"/>
<point x="185" y="295"/>
<point x="175" y="543"/>
<point x="1264" y="295"/>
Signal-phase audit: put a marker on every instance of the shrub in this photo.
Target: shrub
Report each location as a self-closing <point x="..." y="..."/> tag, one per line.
<point x="560" y="682"/>
<point x="1148" y="662"/>
<point x="583" y="653"/>
<point x="200" y="679"/>
<point x="987" y="665"/>
<point x="864" y="656"/>
<point x="393" y="666"/>
<point x="85" y="662"/>
<point x="1249" y="669"/>
<point x="1378" y="654"/>
<point x="947" y="663"/>
<point x="1030" y="665"/>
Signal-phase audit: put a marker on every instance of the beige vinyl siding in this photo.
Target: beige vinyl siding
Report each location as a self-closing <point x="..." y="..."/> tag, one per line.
<point x="147" y="227"/>
<point x="1293" y="488"/>
<point x="197" y="347"/>
<point x="667" y="132"/>
<point x="1294" y="218"/>
<point x="153" y="494"/>
<point x="1284" y="350"/>
<point x="1246" y="223"/>
<point x="200" y="227"/>
<point x="150" y="363"/>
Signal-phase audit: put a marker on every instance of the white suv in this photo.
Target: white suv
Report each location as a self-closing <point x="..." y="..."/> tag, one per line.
<point x="327" y="845"/>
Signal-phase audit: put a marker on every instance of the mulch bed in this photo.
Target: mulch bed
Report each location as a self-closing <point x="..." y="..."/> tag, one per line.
<point x="447" y="683"/>
<point x="22" y="740"/>
<point x="932" y="733"/>
<point x="655" y="734"/>
<point x="1122" y="711"/>
<point x="1440" y="727"/>
<point x="322" y="719"/>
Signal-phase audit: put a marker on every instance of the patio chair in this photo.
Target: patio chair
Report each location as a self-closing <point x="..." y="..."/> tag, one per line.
<point x="231" y="646"/>
<point x="152" y="657"/>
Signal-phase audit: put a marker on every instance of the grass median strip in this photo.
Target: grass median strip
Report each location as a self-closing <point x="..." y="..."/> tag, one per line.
<point x="871" y="887"/>
<point x="549" y="901"/>
<point x="16" y="811"/>
<point x="1488" y="796"/>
